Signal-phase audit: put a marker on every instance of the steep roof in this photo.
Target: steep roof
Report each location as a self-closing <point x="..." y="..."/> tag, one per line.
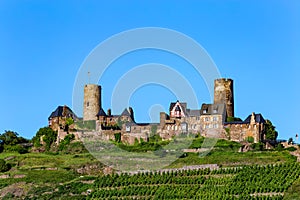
<point x="59" y="112"/>
<point x="212" y="109"/>
<point x="101" y="113"/>
<point x="177" y="108"/>
<point x="193" y="113"/>
<point x="183" y="106"/>
<point x="258" y="118"/>
<point x="125" y="113"/>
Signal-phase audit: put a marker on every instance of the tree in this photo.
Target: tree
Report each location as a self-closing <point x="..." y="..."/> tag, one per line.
<point x="270" y="132"/>
<point x="49" y="137"/>
<point x="11" y="138"/>
<point x="290" y="141"/>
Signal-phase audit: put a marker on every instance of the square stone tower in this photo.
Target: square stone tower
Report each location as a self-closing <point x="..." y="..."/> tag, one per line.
<point x="223" y="93"/>
<point x="91" y="102"/>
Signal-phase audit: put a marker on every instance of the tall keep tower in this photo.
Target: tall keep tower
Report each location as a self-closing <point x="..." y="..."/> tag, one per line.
<point x="224" y="94"/>
<point x="91" y="101"/>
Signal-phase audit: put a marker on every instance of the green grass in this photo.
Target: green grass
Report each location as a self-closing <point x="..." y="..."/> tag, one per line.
<point x="224" y="158"/>
<point x="293" y="193"/>
<point x="60" y="183"/>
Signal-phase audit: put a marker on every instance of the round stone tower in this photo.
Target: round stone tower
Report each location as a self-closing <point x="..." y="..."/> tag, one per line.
<point x="224" y="94"/>
<point x="91" y="101"/>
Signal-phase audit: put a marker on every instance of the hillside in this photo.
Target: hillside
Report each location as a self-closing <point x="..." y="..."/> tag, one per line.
<point x="250" y="175"/>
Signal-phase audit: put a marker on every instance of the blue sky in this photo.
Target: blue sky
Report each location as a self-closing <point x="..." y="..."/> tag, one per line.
<point x="43" y="44"/>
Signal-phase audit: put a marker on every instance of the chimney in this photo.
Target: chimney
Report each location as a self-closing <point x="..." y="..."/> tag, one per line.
<point x="252" y="121"/>
<point x="109" y="112"/>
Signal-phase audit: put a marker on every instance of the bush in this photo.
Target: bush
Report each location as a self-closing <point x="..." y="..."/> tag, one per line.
<point x="250" y="139"/>
<point x="49" y="137"/>
<point x="118" y="137"/>
<point x="258" y="146"/>
<point x="279" y="147"/>
<point x="67" y="140"/>
<point x="4" y="166"/>
<point x="291" y="149"/>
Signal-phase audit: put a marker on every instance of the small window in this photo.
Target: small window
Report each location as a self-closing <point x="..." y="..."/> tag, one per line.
<point x="215" y="126"/>
<point x="204" y="111"/>
<point x="215" y="111"/>
<point x="215" y="119"/>
<point x="87" y="104"/>
<point x="207" y="119"/>
<point x="207" y="126"/>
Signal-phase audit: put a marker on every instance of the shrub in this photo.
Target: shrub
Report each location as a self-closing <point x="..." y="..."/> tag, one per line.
<point x="279" y="147"/>
<point x="67" y="140"/>
<point x="257" y="146"/>
<point x="291" y="149"/>
<point x="118" y="137"/>
<point x="4" y="166"/>
<point x="49" y="137"/>
<point x="250" y="139"/>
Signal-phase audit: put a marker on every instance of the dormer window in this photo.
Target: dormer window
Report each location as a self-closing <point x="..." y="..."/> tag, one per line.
<point x="177" y="111"/>
<point x="204" y="111"/>
<point x="215" y="110"/>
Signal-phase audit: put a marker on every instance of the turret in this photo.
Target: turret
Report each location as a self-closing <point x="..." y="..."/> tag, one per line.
<point x="91" y="102"/>
<point x="223" y="93"/>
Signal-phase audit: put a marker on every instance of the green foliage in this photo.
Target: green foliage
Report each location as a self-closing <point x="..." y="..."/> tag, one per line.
<point x="118" y="137"/>
<point x="49" y="137"/>
<point x="69" y="121"/>
<point x="279" y="147"/>
<point x="248" y="182"/>
<point x="245" y="182"/>
<point x="11" y="138"/>
<point x="155" y="138"/>
<point x="233" y="119"/>
<point x="4" y="166"/>
<point x="65" y="142"/>
<point x="250" y="139"/>
<point x="257" y="146"/>
<point x="270" y="131"/>
<point x="293" y="192"/>
<point x="154" y="143"/>
<point x="11" y="142"/>
<point x="227" y="130"/>
<point x="221" y="144"/>
<point x="290" y="141"/>
<point x="16" y="148"/>
<point x="291" y="149"/>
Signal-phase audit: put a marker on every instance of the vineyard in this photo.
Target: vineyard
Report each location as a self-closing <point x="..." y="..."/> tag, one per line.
<point x="248" y="182"/>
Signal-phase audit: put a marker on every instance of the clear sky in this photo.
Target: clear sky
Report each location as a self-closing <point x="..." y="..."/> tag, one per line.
<point x="43" y="44"/>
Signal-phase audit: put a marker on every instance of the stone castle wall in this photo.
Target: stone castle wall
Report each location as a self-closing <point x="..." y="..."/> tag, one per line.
<point x="240" y="132"/>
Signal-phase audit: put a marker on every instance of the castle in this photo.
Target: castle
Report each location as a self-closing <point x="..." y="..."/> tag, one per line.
<point x="211" y="120"/>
